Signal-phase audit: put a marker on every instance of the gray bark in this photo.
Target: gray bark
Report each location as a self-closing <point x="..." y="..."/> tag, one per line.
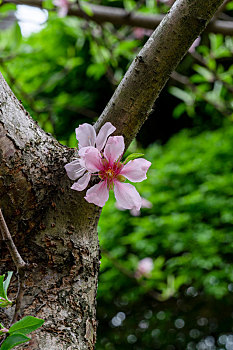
<point x="53" y="227"/>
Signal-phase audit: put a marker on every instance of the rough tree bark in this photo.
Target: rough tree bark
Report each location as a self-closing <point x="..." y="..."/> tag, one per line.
<point x="53" y="227"/>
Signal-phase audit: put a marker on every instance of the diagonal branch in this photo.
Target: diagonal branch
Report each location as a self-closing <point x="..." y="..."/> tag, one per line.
<point x="133" y="100"/>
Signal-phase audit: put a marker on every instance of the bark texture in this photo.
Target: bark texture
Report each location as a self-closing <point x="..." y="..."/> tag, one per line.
<point x="53" y="227"/>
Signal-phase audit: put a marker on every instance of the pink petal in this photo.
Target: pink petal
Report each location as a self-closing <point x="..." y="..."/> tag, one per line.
<point x="84" y="150"/>
<point x="62" y="12"/>
<point x="145" y="266"/>
<point x="86" y="135"/>
<point x="135" y="212"/>
<point x="146" y="203"/>
<point x="127" y="196"/>
<point x="119" y="207"/>
<point x="194" y="45"/>
<point x="74" y="169"/>
<point x="135" y="170"/>
<point x="106" y="130"/>
<point x="114" y="148"/>
<point x="92" y="159"/>
<point x="82" y="183"/>
<point x="98" y="194"/>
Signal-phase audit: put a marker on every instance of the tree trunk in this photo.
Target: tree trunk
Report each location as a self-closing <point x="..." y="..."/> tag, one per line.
<point x="53" y="227"/>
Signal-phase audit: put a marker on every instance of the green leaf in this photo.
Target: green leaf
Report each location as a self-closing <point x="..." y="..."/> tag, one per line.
<point x="13" y="340"/>
<point x="17" y="34"/>
<point x="229" y="6"/>
<point x="47" y="4"/>
<point x="96" y="70"/>
<point x="7" y="281"/>
<point x="87" y="9"/>
<point x="7" y="7"/>
<point x="185" y="96"/>
<point x="179" y="110"/>
<point x="2" y="290"/>
<point x="133" y="156"/>
<point x="4" y="301"/>
<point x="204" y="72"/>
<point x="27" y="325"/>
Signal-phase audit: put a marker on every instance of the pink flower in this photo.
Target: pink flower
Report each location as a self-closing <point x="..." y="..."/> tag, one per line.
<point x="86" y="137"/>
<point x="63" y="6"/>
<point x="145" y="266"/>
<point x="107" y="166"/>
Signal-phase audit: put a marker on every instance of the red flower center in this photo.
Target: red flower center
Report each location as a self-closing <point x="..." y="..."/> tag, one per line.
<point x="110" y="173"/>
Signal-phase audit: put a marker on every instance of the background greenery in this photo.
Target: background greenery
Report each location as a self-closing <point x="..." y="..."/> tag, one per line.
<point x="65" y="75"/>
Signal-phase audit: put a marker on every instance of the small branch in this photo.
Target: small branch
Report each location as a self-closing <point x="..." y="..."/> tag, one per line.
<point x="20" y="293"/>
<point x="154" y="294"/>
<point x="221" y="8"/>
<point x="19" y="263"/>
<point x="120" y="16"/>
<point x="202" y="61"/>
<point x="182" y="79"/>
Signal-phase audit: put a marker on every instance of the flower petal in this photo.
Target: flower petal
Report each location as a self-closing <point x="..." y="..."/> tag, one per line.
<point x="146" y="203"/>
<point x="84" y="150"/>
<point x="135" y="212"/>
<point x="106" y="130"/>
<point x="82" y="183"/>
<point x="92" y="159"/>
<point x="98" y="194"/>
<point x="127" y="196"/>
<point x="114" y="148"/>
<point x="135" y="170"/>
<point x="75" y="169"/>
<point x="86" y="135"/>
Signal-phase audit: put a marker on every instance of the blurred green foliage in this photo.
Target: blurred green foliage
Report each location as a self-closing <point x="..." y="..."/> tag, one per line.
<point x="187" y="233"/>
<point x="211" y="85"/>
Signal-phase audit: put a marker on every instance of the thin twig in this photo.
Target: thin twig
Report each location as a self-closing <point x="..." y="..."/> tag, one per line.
<point x="19" y="263"/>
<point x="221" y="8"/>
<point x="154" y="294"/>
<point x="20" y="293"/>
<point x="202" y="61"/>
<point x="182" y="79"/>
